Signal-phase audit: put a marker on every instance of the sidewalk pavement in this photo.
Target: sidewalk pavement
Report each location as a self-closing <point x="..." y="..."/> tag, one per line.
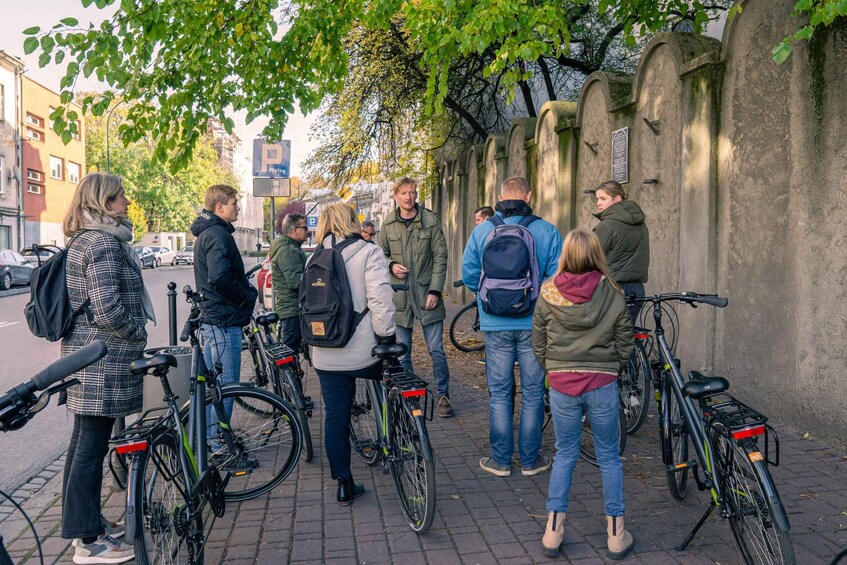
<point x="480" y="518"/>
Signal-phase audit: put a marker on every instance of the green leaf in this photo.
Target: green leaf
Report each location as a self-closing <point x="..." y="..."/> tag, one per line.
<point x="66" y="137"/>
<point x="781" y="52"/>
<point x="44" y="59"/>
<point x="32" y="30"/>
<point x="30" y="45"/>
<point x="60" y="56"/>
<point x="47" y="42"/>
<point x="86" y="3"/>
<point x="70" y="22"/>
<point x="805" y="33"/>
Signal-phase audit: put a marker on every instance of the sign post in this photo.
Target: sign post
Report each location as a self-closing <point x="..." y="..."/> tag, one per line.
<point x="271" y="172"/>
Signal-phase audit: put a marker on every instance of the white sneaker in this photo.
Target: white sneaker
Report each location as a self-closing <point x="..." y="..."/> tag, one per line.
<point x="105" y="549"/>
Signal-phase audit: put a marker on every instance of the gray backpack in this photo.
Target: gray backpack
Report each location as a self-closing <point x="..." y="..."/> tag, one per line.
<point x="509" y="283"/>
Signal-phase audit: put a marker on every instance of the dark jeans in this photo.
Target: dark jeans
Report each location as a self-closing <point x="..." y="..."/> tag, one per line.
<point x="83" y="479"/>
<point x="291" y="336"/>
<point x="637" y="289"/>
<point x="338" y="390"/>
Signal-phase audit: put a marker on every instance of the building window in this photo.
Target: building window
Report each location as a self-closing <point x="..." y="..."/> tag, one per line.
<point x="73" y="172"/>
<point x="34" y="175"/>
<point x="33" y="134"/>
<point x="33" y="188"/>
<point x="56" y="166"/>
<point x="34" y="120"/>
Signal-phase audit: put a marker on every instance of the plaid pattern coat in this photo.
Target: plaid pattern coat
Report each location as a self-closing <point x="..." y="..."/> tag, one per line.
<point x="98" y="268"/>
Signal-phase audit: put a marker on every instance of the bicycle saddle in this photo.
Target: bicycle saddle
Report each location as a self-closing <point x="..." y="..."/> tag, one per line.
<point x="700" y="385"/>
<point x="388" y="351"/>
<point x="157" y="362"/>
<point x="267" y="318"/>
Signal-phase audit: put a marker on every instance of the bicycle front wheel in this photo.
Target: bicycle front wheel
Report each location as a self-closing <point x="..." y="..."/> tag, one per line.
<point x="586" y="439"/>
<point x="634" y="384"/>
<point x="364" y="437"/>
<point x="262" y="443"/>
<point x="757" y="519"/>
<point x="169" y="529"/>
<point x="674" y="443"/>
<point x="412" y="462"/>
<point x="465" y="334"/>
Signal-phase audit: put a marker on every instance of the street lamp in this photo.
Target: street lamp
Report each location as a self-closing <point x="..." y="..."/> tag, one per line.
<point x="109" y="121"/>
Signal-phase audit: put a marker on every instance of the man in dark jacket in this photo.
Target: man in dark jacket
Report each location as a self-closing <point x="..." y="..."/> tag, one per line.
<point x="230" y="298"/>
<point x="288" y="262"/>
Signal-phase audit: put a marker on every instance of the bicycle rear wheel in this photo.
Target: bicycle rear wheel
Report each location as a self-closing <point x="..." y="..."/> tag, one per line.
<point x="465" y="334"/>
<point x="757" y="518"/>
<point x="412" y="463"/>
<point x="266" y="437"/>
<point x="586" y="439"/>
<point x="364" y="437"/>
<point x="169" y="529"/>
<point x="674" y="437"/>
<point x="634" y="384"/>
<point x="292" y="392"/>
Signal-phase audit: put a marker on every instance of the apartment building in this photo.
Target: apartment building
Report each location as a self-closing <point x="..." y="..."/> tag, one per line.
<point x="50" y="169"/>
<point x="11" y="199"/>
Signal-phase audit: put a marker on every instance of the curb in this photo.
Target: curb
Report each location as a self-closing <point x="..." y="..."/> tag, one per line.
<point x="31" y="487"/>
<point x="14" y="291"/>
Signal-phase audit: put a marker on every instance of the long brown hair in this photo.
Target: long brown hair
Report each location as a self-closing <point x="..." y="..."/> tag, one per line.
<point x="582" y="253"/>
<point x="95" y="190"/>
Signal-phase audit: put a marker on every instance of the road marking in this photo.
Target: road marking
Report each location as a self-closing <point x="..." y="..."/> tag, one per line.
<point x="7" y="324"/>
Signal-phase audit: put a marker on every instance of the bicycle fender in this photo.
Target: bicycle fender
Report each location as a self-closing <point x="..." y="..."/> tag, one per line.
<point x="132" y="516"/>
<point x="422" y="433"/>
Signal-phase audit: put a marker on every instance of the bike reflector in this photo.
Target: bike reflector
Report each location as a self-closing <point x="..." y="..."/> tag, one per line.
<point x="748" y="432"/>
<point x="414" y="392"/>
<point x="125" y="448"/>
<point x="640" y="336"/>
<point x="285" y="360"/>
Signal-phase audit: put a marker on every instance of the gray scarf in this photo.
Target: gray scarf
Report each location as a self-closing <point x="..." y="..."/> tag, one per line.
<point x="122" y="229"/>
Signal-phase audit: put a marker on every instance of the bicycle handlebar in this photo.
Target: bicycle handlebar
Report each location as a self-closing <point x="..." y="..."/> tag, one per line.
<point x="252" y="271"/>
<point x="687" y="297"/>
<point x="459" y="283"/>
<point x="57" y="371"/>
<point x="399" y="287"/>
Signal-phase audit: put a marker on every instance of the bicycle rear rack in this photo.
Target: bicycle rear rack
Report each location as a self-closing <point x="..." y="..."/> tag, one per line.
<point x="281" y="354"/>
<point x="131" y="439"/>
<point x="412" y="386"/>
<point x="741" y="420"/>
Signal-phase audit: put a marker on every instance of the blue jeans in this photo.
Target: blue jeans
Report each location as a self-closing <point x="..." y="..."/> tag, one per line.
<point x="502" y="348"/>
<point x="434" y="337"/>
<point x="603" y="406"/>
<point x="221" y="345"/>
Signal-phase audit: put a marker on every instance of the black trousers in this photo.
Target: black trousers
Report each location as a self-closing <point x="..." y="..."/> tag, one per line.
<point x="291" y="336"/>
<point x="338" y="390"/>
<point x="83" y="479"/>
<point x="637" y="289"/>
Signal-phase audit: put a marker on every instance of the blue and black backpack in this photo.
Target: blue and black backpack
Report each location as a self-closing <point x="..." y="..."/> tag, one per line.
<point x="509" y="283"/>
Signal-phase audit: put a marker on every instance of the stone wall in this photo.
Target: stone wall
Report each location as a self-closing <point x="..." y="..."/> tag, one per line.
<point x="738" y="164"/>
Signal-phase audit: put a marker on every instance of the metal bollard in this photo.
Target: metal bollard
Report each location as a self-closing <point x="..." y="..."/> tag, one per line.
<point x="172" y="313"/>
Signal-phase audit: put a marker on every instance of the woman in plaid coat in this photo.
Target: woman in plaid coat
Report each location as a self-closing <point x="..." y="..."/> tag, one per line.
<point x="104" y="279"/>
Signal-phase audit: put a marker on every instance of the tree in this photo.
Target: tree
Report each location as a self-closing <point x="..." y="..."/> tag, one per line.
<point x="185" y="61"/>
<point x="138" y="219"/>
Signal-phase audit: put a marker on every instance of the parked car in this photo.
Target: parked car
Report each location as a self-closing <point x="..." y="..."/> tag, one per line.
<point x="15" y="268"/>
<point x="264" y="279"/>
<point x="148" y="258"/>
<point x="44" y="253"/>
<point x="163" y="255"/>
<point x="184" y="255"/>
<point x="266" y="246"/>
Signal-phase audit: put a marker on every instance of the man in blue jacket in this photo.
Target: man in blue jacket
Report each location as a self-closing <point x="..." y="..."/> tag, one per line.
<point x="509" y="339"/>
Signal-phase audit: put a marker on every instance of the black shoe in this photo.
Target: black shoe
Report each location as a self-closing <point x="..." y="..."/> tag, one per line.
<point x="347" y="491"/>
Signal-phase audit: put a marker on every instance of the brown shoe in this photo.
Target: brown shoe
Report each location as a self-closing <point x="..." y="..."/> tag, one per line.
<point x="620" y="541"/>
<point x="554" y="535"/>
<point x="445" y="410"/>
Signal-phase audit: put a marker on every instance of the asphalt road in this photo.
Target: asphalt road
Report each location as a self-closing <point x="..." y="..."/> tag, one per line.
<point x="25" y="452"/>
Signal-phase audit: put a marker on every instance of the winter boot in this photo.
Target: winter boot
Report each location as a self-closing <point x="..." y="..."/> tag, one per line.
<point x="347" y="491"/>
<point x="554" y="535"/>
<point x="620" y="541"/>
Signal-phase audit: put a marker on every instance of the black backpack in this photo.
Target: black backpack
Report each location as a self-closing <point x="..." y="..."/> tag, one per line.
<point x="327" y="318"/>
<point x="48" y="312"/>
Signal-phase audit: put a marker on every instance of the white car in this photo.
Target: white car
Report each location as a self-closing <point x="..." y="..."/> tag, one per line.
<point x="184" y="255"/>
<point x="164" y="255"/>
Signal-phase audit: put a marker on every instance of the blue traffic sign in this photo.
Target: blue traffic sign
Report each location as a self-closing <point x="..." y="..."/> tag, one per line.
<point x="271" y="160"/>
<point x="311" y="222"/>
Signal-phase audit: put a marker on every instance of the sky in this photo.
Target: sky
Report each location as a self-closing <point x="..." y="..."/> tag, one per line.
<point x="17" y="15"/>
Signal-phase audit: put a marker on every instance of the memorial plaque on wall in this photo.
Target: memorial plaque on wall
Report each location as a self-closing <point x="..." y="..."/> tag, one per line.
<point x="620" y="155"/>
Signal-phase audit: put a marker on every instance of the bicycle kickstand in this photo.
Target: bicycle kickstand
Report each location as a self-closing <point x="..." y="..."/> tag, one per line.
<point x="697" y="527"/>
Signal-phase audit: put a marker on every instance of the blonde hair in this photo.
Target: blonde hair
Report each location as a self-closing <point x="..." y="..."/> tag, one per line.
<point x="337" y="219"/>
<point x="401" y="182"/>
<point x="218" y="194"/>
<point x="582" y="253"/>
<point x="92" y="195"/>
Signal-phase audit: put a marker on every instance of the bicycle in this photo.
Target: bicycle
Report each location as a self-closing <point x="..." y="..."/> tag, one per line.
<point x="174" y="487"/>
<point x="464" y="333"/>
<point x="388" y="426"/>
<point x="272" y="366"/>
<point x="725" y="434"/>
<point x="20" y="404"/>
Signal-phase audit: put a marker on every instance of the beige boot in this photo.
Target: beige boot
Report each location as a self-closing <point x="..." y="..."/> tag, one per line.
<point x="620" y="541"/>
<point x="554" y="535"/>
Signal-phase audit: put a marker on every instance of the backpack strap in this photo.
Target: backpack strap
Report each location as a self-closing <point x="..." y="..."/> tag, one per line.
<point x="496" y="220"/>
<point x="85" y="307"/>
<point x="349" y="242"/>
<point x="526" y="220"/>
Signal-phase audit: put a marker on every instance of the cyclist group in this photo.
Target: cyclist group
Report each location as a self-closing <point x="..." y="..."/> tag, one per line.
<point x="578" y="316"/>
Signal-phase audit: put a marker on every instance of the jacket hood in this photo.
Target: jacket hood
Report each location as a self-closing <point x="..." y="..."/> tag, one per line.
<point x="578" y="288"/>
<point x="625" y="211"/>
<point x="513" y="208"/>
<point x="283" y="241"/>
<point x="205" y="220"/>
<point x="574" y="316"/>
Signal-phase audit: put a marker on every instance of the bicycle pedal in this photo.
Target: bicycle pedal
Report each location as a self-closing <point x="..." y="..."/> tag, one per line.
<point x="308" y="404"/>
<point x="681" y="467"/>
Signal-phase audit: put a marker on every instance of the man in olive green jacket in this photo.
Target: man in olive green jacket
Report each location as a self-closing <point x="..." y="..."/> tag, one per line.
<point x="288" y="262"/>
<point x="413" y="242"/>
